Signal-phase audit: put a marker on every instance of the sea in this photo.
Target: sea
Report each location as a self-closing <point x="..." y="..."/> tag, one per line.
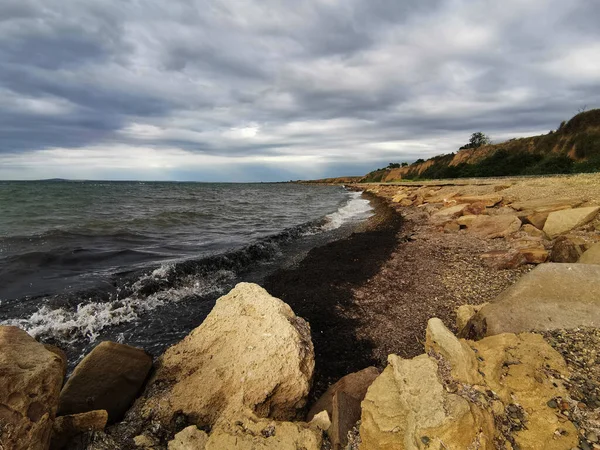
<point x="142" y="263"/>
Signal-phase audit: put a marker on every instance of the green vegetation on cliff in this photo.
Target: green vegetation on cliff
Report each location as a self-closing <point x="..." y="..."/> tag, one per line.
<point x="573" y="148"/>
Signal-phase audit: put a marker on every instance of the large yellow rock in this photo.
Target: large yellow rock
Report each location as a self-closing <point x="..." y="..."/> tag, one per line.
<point x="408" y="407"/>
<point x="30" y="380"/>
<point x="560" y="222"/>
<point x="469" y="395"/>
<point x="487" y="200"/>
<point x="251" y="352"/>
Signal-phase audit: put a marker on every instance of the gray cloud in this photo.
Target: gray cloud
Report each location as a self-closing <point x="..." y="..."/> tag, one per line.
<point x="314" y="88"/>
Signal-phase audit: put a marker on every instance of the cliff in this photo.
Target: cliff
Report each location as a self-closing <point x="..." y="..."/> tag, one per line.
<point x="573" y="148"/>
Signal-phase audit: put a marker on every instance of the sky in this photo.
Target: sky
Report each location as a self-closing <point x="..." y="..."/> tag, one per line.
<point x="273" y="90"/>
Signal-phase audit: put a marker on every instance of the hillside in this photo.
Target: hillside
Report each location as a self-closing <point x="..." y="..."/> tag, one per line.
<point x="573" y="148"/>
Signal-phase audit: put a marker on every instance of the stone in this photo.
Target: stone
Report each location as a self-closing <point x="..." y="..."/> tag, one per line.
<point x="108" y="378"/>
<point x="354" y="384"/>
<point x="426" y="402"/>
<point x="346" y="413"/>
<point x="457" y="353"/>
<point x="536" y="219"/>
<point x="449" y="213"/>
<point x="464" y="314"/>
<point x="66" y="428"/>
<point x="408" y="403"/>
<point x="253" y="433"/>
<point x="552" y="296"/>
<point x="503" y="259"/>
<point x="190" y="438"/>
<point x="591" y="255"/>
<point x="399" y="197"/>
<point x="533" y="231"/>
<point x="452" y="227"/>
<point x="487" y="200"/>
<point x="30" y="380"/>
<point x="534" y="255"/>
<point x="466" y="220"/>
<point x="566" y="250"/>
<point x="561" y="222"/>
<point x="491" y="227"/>
<point x="250" y="353"/>
<point x="406" y="203"/>
<point x="342" y="403"/>
<point x="546" y="205"/>
<point x="475" y="209"/>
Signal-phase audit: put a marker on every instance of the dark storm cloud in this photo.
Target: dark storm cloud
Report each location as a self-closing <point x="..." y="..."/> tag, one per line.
<point x="317" y="87"/>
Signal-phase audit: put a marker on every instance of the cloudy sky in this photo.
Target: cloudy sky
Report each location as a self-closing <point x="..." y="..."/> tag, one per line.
<point x="242" y="90"/>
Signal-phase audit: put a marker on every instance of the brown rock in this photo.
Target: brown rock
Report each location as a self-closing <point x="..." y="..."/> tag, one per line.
<point x="354" y="384"/>
<point x="592" y="255"/>
<point x="495" y="226"/>
<point x="534" y="255"/>
<point x="108" y="378"/>
<point x="342" y="403"/>
<point x="566" y="250"/>
<point x="546" y="205"/>
<point x="561" y="222"/>
<point x="446" y="214"/>
<point x="406" y="202"/>
<point x="552" y="296"/>
<point x="250" y="353"/>
<point x="533" y="231"/>
<point x="537" y="219"/>
<point x="30" y="381"/>
<point x="503" y="259"/>
<point x="67" y="427"/>
<point x="475" y="209"/>
<point x="452" y="227"/>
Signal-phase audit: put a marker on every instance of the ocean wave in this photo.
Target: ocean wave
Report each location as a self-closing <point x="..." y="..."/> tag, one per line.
<point x="356" y="209"/>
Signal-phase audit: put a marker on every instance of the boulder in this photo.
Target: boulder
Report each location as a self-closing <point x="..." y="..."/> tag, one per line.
<point x="592" y="255"/>
<point x="487" y="200"/>
<point x="399" y="197"/>
<point x="430" y="401"/>
<point x="561" y="222"/>
<point x="566" y="250"/>
<point x="67" y="427"/>
<point x="449" y="213"/>
<point x="61" y="354"/>
<point x="490" y="227"/>
<point x="408" y="407"/>
<point x="108" y="378"/>
<point x="552" y="296"/>
<point x="251" y="352"/>
<point x="30" y="382"/>
<point x="406" y="202"/>
<point x="452" y="227"/>
<point x="342" y="403"/>
<point x="464" y="314"/>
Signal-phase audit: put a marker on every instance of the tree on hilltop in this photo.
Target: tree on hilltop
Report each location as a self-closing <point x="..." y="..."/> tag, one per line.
<point x="477" y="140"/>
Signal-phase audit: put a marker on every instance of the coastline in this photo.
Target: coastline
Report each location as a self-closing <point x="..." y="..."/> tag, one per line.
<point x="482" y="296"/>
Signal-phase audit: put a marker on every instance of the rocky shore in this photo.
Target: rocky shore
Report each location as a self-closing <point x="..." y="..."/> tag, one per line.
<point x="470" y="323"/>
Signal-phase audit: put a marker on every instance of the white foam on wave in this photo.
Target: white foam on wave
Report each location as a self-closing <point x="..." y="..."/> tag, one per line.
<point x="356" y="209"/>
<point x="88" y="319"/>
